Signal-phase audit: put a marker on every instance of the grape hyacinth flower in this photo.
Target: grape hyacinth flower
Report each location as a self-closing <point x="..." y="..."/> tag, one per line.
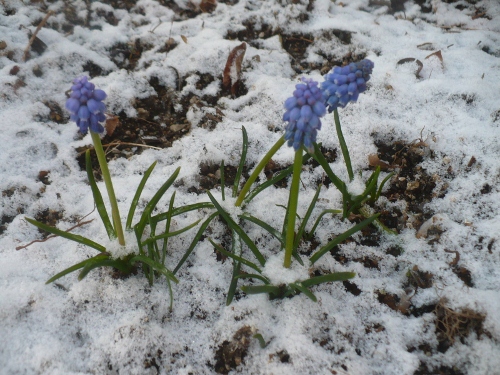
<point x="344" y="84"/>
<point x="303" y="112"/>
<point x="87" y="110"/>
<point x="86" y="106"/>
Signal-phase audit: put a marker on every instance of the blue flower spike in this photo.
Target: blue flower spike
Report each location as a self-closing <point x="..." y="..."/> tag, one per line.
<point x="344" y="84"/>
<point x="86" y="106"/>
<point x="303" y="112"/>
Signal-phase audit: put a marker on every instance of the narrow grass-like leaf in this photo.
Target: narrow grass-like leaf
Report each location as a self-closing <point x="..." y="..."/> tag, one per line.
<point x="196" y="238"/>
<point x="373" y="176"/>
<point x="337" y="276"/>
<point x="243" y="159"/>
<point x="222" y="181"/>
<point x="253" y="276"/>
<point x="149" y="271"/>
<point x="274" y="180"/>
<point x="137" y="196"/>
<point x="291" y="210"/>
<point x="67" y="270"/>
<point x="181" y="210"/>
<point x="139" y="227"/>
<point x="341" y="237"/>
<point x="119" y="265"/>
<point x="236" y="248"/>
<point x="261" y="340"/>
<point x="69" y="236"/>
<point x="379" y="191"/>
<point x="319" y="157"/>
<point x="232" y="224"/>
<point x="170" y="234"/>
<point x="359" y="200"/>
<point x="167" y="228"/>
<point x="155" y="265"/>
<point x="257" y="170"/>
<point x="171" y="293"/>
<point x="257" y="289"/>
<point x="235" y="257"/>
<point x="304" y="290"/>
<point x="343" y="145"/>
<point x="303" y="224"/>
<point x="320" y="216"/>
<point x="99" y="203"/>
<point x="339" y="184"/>
<point x="273" y="232"/>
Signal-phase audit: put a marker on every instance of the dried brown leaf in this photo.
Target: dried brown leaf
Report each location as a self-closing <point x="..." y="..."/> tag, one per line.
<point x="208" y="6"/>
<point x="232" y="71"/>
<point x="184" y="39"/>
<point x="412" y="59"/>
<point x="426" y="46"/>
<point x="111" y="124"/>
<point x="374" y="161"/>
<point x="438" y="55"/>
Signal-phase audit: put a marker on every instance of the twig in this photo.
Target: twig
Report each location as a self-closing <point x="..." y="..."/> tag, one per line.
<point x="53" y="235"/>
<point x="32" y="39"/>
<point x="119" y="143"/>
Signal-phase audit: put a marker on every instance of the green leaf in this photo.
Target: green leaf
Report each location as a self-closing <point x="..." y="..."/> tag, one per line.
<point x="304" y="290"/>
<point x="170" y="234"/>
<point x="318" y="156"/>
<point x="235" y="257"/>
<point x="274" y="180"/>
<point x="137" y="196"/>
<point x="67" y="270"/>
<point x="196" y="238"/>
<point x="93" y="263"/>
<point x="236" y="248"/>
<point x="167" y="228"/>
<point x="339" y="184"/>
<point x="371" y="186"/>
<point x="262" y="342"/>
<point x="171" y="293"/>
<point x="337" y="276"/>
<point x="313" y="230"/>
<point x="243" y="158"/>
<point x="69" y="236"/>
<point x="139" y="227"/>
<point x="152" y="255"/>
<point x="379" y="191"/>
<point x="253" y="276"/>
<point x="341" y="237"/>
<point x="303" y="224"/>
<point x="257" y="289"/>
<point x="181" y="210"/>
<point x="99" y="203"/>
<point x="273" y="232"/>
<point x="232" y="224"/>
<point x="343" y="145"/>
<point x="155" y="265"/>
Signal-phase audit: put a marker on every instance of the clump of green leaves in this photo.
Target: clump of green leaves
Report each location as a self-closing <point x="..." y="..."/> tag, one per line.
<point x="152" y="240"/>
<point x="289" y="237"/>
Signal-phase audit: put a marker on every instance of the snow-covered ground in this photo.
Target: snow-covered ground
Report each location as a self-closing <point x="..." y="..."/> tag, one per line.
<point x="386" y="320"/>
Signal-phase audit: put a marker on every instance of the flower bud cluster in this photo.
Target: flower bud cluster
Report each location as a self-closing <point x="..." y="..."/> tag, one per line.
<point x="344" y="84"/>
<point x="86" y="106"/>
<point x="303" y="112"/>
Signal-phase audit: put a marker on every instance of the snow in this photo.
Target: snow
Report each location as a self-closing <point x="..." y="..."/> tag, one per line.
<point x="107" y="325"/>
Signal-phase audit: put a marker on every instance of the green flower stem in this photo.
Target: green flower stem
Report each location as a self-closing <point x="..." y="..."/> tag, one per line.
<point x="101" y="157"/>
<point x="292" y="208"/>
<point x="343" y="145"/>
<point x="258" y="169"/>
